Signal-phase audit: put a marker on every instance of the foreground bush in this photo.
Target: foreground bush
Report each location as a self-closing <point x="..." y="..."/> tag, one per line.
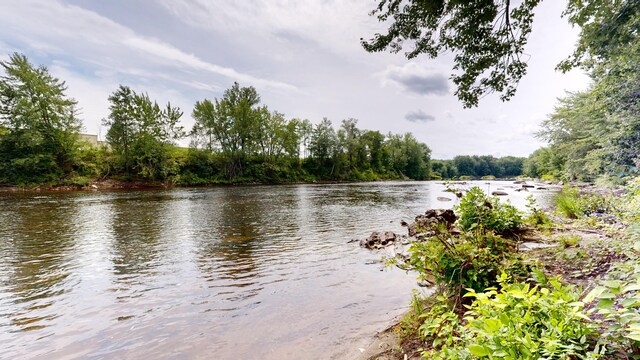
<point x="517" y="321"/>
<point x="477" y="210"/>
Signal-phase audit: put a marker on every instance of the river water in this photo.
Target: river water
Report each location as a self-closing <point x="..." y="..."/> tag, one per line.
<point x="247" y="272"/>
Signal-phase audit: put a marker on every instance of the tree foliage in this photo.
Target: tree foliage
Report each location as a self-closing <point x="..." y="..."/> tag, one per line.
<point x="478" y="166"/>
<point x="597" y="131"/>
<point x="487" y="39"/>
<point x="38" y="124"/>
<point x="141" y="134"/>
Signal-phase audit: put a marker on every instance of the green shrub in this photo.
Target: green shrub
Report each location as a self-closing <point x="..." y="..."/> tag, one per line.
<point x="488" y="177"/>
<point x="572" y="204"/>
<point x="465" y="178"/>
<point x="536" y="217"/>
<point x="568" y="203"/>
<point x="469" y="261"/>
<point x="476" y="210"/>
<point x="523" y="322"/>
<point x="443" y="332"/>
<point x="519" y="321"/>
<point x="568" y="241"/>
<point x="618" y="302"/>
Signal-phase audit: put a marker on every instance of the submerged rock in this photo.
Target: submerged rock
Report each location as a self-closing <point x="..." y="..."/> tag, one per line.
<point x="442" y="198"/>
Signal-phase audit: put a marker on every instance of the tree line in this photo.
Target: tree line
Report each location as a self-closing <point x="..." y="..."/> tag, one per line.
<point x="477" y="167"/>
<point x="235" y="139"/>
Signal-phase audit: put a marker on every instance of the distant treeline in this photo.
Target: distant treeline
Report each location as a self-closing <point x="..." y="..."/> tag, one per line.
<point x="477" y="167"/>
<point x="234" y="139"/>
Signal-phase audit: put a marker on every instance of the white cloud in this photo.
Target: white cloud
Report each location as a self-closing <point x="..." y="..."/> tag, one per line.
<point x="54" y="27"/>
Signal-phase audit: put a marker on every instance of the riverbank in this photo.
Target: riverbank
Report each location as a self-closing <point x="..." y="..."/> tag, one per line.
<point x="585" y="249"/>
<point x="85" y="184"/>
<point x="112" y="184"/>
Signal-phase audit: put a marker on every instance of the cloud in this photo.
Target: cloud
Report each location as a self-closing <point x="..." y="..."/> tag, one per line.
<point x="334" y="25"/>
<point x="419" y="116"/>
<point x="415" y="78"/>
<point x="54" y="28"/>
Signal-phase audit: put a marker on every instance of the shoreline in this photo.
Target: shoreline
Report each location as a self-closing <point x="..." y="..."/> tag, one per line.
<point x="116" y="185"/>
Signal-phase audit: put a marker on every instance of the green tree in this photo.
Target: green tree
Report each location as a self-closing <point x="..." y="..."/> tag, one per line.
<point x="351" y="140"/>
<point x="487" y="38"/>
<point x="322" y="146"/>
<point x="230" y="125"/>
<point x="141" y="133"/>
<point x="374" y="143"/>
<point x="39" y="121"/>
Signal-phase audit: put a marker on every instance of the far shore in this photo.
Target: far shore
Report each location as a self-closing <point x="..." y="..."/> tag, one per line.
<point x="114" y="184"/>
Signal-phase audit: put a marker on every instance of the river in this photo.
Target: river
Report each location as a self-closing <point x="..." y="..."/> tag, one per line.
<point x="246" y="272"/>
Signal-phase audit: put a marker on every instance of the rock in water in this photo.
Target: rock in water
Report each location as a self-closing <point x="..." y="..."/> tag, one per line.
<point x="431" y="219"/>
<point x="379" y="239"/>
<point x="442" y="198"/>
<point x="499" y="193"/>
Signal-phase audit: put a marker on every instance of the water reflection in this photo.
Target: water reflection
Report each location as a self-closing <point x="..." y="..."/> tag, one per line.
<point x="136" y="226"/>
<point x="259" y="272"/>
<point x="36" y="260"/>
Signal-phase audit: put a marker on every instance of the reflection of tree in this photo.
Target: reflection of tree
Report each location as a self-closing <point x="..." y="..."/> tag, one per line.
<point x="136" y="228"/>
<point x="38" y="240"/>
<point x="240" y="230"/>
<point x="229" y="234"/>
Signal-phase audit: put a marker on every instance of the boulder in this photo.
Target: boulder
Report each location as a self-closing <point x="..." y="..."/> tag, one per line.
<point x="379" y="239"/>
<point x="431" y="220"/>
<point x="499" y="193"/>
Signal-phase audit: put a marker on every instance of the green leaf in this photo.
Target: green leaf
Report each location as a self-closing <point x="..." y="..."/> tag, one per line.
<point x="479" y="350"/>
<point x="605" y="304"/>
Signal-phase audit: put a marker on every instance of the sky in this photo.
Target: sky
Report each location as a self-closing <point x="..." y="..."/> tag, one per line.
<point x="303" y="56"/>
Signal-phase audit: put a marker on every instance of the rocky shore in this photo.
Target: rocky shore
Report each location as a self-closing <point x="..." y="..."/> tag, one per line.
<point x="578" y="250"/>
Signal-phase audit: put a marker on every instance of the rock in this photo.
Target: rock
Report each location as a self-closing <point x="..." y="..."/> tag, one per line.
<point x="618" y="192"/>
<point x="528" y="245"/>
<point x="431" y="220"/>
<point x="499" y="193"/>
<point x="527" y="186"/>
<point x="604" y="217"/>
<point x="403" y="223"/>
<point x="94" y="186"/>
<point x="379" y="239"/>
<point x="518" y="182"/>
<point x="542" y="188"/>
<point x="442" y="198"/>
<point x="522" y="189"/>
<point x="459" y="194"/>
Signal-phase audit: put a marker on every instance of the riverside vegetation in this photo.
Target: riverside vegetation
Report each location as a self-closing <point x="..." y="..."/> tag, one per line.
<point x="576" y="300"/>
<point x="235" y="139"/>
